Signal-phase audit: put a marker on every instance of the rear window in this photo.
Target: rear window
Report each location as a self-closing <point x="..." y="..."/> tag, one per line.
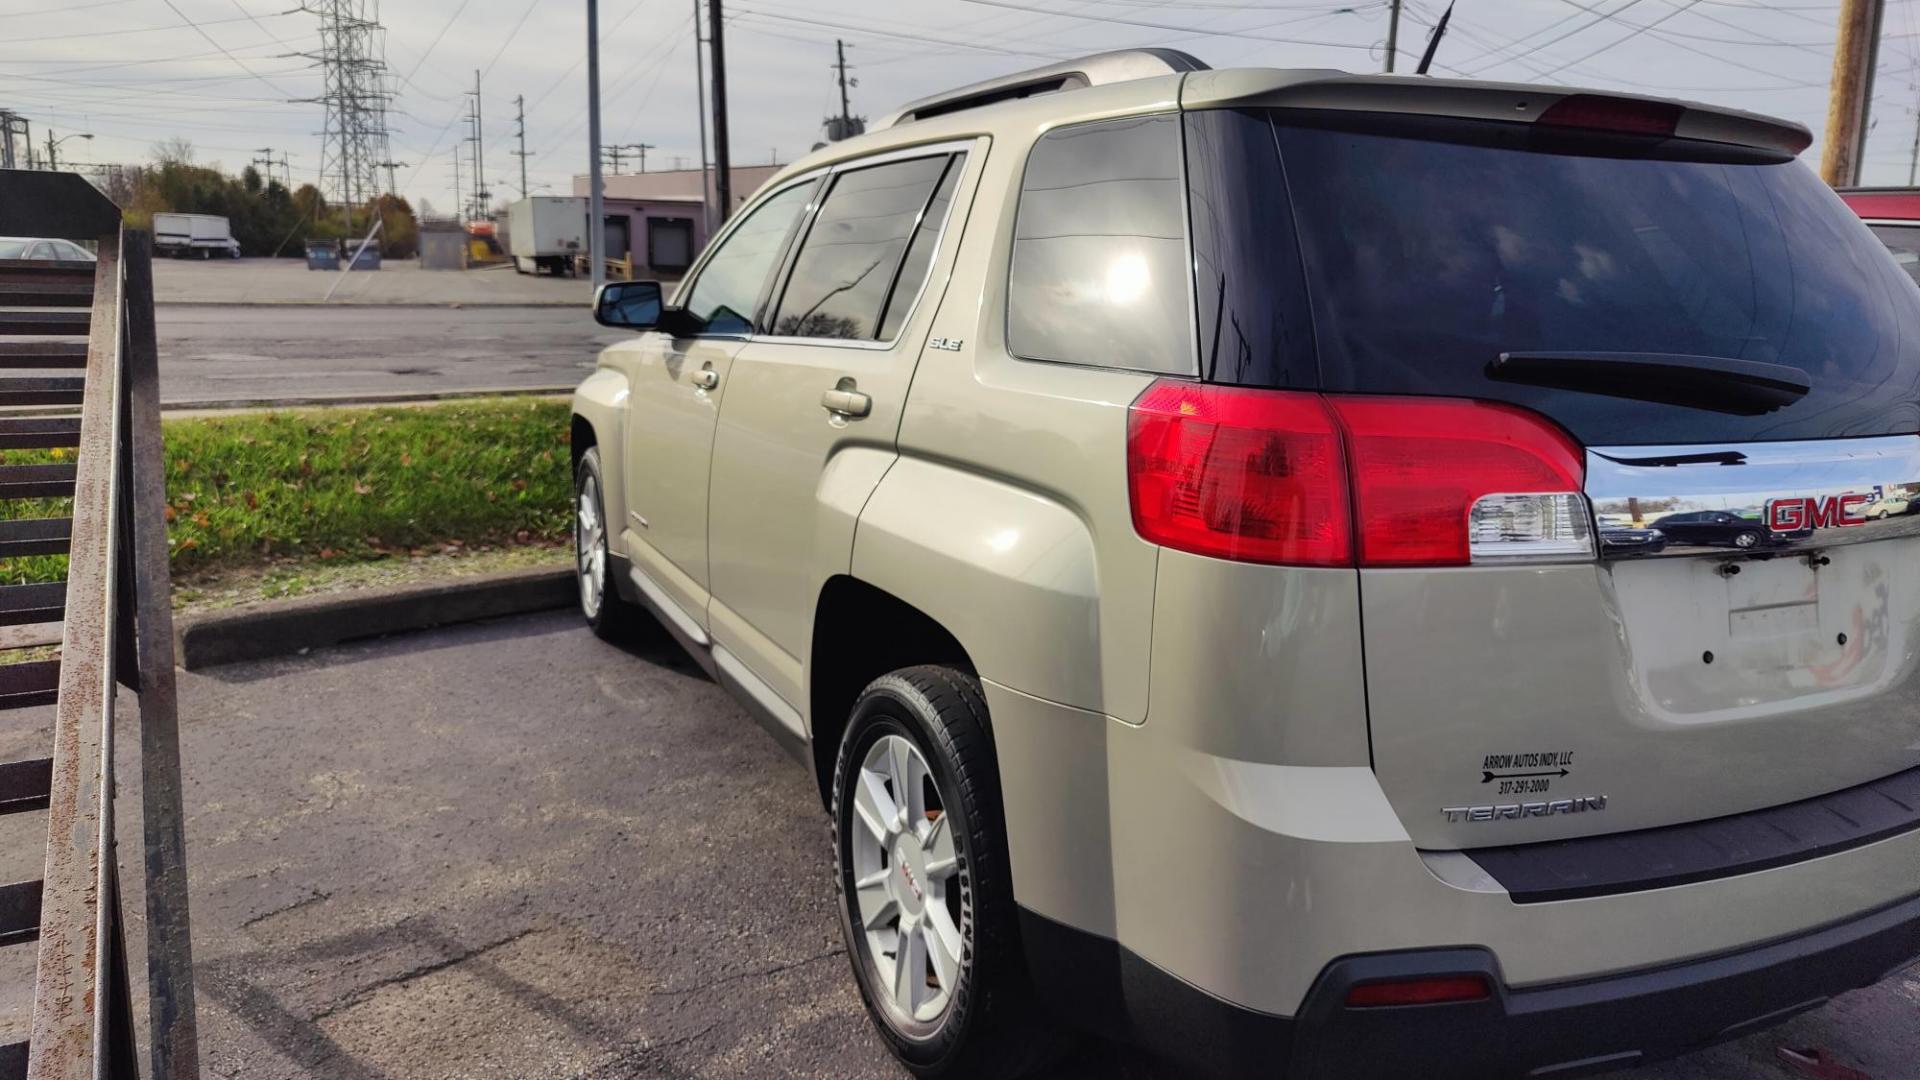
<point x="1429" y="250"/>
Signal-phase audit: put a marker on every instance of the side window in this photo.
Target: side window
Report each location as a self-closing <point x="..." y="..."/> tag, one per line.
<point x="729" y="285"/>
<point x="926" y="239"/>
<point x="1099" y="252"/>
<point x="42" y="251"/>
<point x="852" y="254"/>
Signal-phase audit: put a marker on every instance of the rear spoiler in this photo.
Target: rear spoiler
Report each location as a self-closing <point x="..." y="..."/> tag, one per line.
<point x="1474" y="100"/>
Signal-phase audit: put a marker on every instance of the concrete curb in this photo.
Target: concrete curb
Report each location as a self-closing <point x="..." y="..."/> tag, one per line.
<point x="327" y="401"/>
<point x="264" y="630"/>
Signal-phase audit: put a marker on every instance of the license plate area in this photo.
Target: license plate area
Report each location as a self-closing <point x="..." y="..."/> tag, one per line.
<point x="1720" y="640"/>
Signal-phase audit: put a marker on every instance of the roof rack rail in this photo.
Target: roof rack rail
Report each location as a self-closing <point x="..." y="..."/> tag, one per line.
<point x="1096" y="70"/>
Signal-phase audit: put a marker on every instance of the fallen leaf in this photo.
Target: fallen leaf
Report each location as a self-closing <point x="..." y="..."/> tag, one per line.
<point x="360" y="488"/>
<point x="202" y="520"/>
<point x="170" y="514"/>
<point x="1814" y="1063"/>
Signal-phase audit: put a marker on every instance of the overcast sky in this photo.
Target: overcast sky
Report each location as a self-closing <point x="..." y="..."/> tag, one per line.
<point x="134" y="72"/>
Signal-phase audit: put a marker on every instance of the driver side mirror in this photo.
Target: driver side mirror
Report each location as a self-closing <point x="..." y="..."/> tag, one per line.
<point x="630" y="305"/>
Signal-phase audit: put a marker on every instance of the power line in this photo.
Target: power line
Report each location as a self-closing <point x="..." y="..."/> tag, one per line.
<point x="1630" y="35"/>
<point x="1180" y="29"/>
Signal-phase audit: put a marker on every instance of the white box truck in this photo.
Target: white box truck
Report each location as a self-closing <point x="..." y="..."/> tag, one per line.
<point x="203" y="236"/>
<point x="545" y="232"/>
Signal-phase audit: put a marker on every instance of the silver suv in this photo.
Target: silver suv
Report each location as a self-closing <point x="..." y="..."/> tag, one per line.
<point x="1326" y="574"/>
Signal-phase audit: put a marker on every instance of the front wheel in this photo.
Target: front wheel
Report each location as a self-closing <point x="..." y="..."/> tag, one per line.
<point x="926" y="901"/>
<point x="608" y="615"/>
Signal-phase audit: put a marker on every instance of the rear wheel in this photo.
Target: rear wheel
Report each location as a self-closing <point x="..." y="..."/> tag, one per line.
<point x="1746" y="539"/>
<point x="926" y="902"/>
<point x="610" y="616"/>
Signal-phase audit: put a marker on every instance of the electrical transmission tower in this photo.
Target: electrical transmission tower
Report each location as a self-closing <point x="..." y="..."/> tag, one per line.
<point x="482" y="205"/>
<point x="355" y="92"/>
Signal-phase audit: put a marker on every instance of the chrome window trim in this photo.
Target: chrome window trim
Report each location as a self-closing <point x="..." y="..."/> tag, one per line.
<point x="1790" y="492"/>
<point x="962" y="147"/>
<point x="1904" y="223"/>
<point x="1019" y="191"/>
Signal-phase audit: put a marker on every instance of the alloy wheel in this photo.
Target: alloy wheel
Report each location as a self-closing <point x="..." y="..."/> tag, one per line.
<point x="590" y="547"/>
<point x="908" y="885"/>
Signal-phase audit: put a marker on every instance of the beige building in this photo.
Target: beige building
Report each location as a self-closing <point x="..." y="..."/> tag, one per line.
<point x="658" y="217"/>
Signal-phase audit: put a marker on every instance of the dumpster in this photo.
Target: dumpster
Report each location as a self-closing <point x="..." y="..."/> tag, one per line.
<point x="367" y="260"/>
<point x="323" y="255"/>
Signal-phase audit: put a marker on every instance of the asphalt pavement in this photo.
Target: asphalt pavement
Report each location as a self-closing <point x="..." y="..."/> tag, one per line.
<point x="216" y="353"/>
<point x="512" y="850"/>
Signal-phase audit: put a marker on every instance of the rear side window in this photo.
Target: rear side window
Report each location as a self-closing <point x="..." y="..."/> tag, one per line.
<point x="1099" y="252"/>
<point x="851" y="259"/>
<point x="1430" y="250"/>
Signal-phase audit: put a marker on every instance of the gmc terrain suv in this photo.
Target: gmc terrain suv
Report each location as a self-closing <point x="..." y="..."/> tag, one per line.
<point x="1204" y="530"/>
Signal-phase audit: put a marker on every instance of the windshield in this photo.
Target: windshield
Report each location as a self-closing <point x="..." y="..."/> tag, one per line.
<point x="13" y="249"/>
<point x="1428" y="253"/>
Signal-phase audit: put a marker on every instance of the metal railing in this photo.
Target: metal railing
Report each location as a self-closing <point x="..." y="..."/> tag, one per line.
<point x="112" y="623"/>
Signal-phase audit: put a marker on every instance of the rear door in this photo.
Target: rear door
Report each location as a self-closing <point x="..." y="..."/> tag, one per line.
<point x="1767" y="651"/>
<point x="813" y="410"/>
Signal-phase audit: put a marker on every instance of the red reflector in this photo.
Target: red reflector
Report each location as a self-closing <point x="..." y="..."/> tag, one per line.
<point x="1597" y="112"/>
<point x="1419" y="465"/>
<point x="1450" y="989"/>
<point x="1253" y="475"/>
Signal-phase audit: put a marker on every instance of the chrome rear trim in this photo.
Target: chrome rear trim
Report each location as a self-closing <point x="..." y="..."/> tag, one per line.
<point x="1753" y="499"/>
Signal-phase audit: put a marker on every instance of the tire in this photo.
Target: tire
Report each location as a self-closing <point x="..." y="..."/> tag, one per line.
<point x="1746" y="539"/>
<point x="973" y="1009"/>
<point x="610" y="617"/>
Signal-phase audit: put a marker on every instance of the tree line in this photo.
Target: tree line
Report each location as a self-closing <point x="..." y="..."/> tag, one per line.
<point x="267" y="218"/>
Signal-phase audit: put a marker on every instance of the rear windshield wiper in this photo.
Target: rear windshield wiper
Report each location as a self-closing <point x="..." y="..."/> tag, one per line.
<point x="1717" y="383"/>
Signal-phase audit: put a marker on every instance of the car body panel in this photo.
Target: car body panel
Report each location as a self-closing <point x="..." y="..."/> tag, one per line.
<point x="780" y="492"/>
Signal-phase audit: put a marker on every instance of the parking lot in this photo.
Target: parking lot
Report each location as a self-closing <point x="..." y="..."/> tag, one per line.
<point x="513" y="850"/>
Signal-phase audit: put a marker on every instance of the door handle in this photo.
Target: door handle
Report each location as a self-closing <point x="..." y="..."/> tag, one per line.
<point x="846" y="403"/>
<point x="706" y="379"/>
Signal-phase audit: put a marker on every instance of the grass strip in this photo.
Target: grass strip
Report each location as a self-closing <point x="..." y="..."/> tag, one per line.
<point x="347" y="483"/>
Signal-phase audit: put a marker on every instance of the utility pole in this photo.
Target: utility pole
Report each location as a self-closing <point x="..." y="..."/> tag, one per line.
<point x="1856" y="51"/>
<point x="846" y="125"/>
<point x="840" y="62"/>
<point x="482" y="197"/>
<point x="286" y="170"/>
<point x="11" y="124"/>
<point x="1393" y="34"/>
<point x="722" y="158"/>
<point x="393" y="182"/>
<point x="596" y="221"/>
<point x="700" y="88"/>
<point x="520" y="132"/>
<point x="265" y="160"/>
<point x="53" y="159"/>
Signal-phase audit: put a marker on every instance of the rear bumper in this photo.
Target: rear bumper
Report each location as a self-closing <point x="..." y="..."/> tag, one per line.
<point x="1592" y="1026"/>
<point x="1561" y="1030"/>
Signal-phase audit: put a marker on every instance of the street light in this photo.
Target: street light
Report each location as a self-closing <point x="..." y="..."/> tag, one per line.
<point x="53" y="145"/>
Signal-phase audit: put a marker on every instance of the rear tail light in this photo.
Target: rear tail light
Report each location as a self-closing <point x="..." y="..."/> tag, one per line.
<point x="1441" y="990"/>
<point x="1250" y="475"/>
<point x="1445" y="482"/>
<point x="1305" y="479"/>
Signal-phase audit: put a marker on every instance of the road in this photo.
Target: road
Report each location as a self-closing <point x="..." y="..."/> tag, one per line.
<point x="512" y="850"/>
<point x="227" y="353"/>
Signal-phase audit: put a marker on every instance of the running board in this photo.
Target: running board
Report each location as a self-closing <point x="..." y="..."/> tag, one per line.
<point x="768" y="709"/>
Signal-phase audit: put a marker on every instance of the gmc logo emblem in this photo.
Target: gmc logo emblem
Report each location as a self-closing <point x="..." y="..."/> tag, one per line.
<point x="1823" y="512"/>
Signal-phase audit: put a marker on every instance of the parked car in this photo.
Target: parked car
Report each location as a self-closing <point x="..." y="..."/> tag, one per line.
<point x="1160" y="508"/>
<point x="1894" y="216"/>
<point x="38" y="248"/>
<point x="1715" y="528"/>
<point x="1891" y="504"/>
